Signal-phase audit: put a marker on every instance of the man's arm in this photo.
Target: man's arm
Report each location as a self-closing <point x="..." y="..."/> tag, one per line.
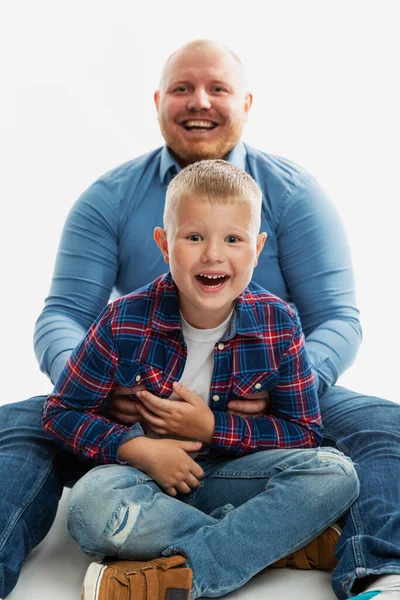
<point x="84" y="275"/>
<point x="316" y="263"/>
<point x="74" y="413"/>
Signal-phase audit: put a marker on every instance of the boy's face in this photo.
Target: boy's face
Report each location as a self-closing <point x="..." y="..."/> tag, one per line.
<point x="212" y="250"/>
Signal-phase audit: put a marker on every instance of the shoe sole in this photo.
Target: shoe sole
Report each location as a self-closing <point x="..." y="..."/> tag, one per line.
<point x="336" y="528"/>
<point x="92" y="581"/>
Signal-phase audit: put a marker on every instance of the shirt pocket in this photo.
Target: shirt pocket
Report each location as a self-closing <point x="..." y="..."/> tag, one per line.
<point x="247" y="384"/>
<point x="131" y="373"/>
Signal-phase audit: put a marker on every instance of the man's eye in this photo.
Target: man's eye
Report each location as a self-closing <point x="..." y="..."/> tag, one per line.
<point x="232" y="239"/>
<point x="218" y="89"/>
<point x="180" y="89"/>
<point x="194" y="237"/>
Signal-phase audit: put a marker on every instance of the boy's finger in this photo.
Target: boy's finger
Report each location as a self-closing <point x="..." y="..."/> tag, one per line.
<point x="158" y="406"/>
<point x="192" y="481"/>
<point x="171" y="491"/>
<point x="183" y="487"/>
<point x="197" y="471"/>
<point x="189" y="446"/>
<point x="151" y="417"/>
<point x="185" y="392"/>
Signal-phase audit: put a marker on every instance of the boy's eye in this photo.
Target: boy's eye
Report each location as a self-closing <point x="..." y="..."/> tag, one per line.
<point x="194" y="237"/>
<point x="232" y="239"/>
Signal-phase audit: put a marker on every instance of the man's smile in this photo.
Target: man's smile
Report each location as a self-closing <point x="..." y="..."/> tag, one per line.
<point x="199" y="125"/>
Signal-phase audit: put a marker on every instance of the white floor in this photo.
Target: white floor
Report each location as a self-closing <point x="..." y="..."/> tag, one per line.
<point x="56" y="568"/>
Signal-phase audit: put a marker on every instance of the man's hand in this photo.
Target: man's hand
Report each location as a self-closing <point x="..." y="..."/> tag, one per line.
<point x="124" y="405"/>
<point x="255" y="405"/>
<point x="188" y="417"/>
<point x="165" y="461"/>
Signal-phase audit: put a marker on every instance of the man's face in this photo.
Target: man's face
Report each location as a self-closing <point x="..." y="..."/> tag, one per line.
<point x="212" y="250"/>
<point x="202" y="103"/>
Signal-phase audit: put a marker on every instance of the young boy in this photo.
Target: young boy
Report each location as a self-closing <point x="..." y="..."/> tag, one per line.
<point x="255" y="489"/>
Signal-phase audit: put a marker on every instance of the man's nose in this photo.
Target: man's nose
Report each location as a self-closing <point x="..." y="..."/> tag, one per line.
<point x="199" y="100"/>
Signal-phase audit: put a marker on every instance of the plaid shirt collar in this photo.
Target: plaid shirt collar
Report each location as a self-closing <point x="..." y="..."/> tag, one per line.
<point x="166" y="317"/>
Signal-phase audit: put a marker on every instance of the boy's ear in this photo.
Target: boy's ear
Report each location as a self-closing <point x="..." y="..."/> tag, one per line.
<point x="160" y="237"/>
<point x="260" y="245"/>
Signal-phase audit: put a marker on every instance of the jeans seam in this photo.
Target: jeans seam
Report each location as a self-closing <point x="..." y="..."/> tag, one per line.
<point x="353" y="511"/>
<point x="18" y="513"/>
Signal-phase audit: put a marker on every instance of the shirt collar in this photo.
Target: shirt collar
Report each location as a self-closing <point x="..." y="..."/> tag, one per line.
<point x="245" y="320"/>
<point x="168" y="164"/>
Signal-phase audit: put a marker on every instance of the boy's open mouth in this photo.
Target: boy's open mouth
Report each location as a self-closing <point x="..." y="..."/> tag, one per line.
<point x="212" y="281"/>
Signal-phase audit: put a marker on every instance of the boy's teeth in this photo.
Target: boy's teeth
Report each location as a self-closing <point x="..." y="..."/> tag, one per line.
<point x="211" y="276"/>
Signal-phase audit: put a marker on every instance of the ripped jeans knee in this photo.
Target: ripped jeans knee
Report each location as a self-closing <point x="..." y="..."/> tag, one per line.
<point x="104" y="507"/>
<point x="327" y="455"/>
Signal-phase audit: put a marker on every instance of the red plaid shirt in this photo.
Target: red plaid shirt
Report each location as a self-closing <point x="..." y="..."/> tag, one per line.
<point x="139" y="338"/>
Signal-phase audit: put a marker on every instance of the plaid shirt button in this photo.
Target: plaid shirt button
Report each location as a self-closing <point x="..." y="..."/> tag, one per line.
<point x="221" y="346"/>
<point x="215" y="398"/>
<point x="138" y="378"/>
<point x="257" y="386"/>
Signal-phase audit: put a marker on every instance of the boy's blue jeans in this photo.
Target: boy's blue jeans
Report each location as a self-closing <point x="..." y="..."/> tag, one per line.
<point x="246" y="514"/>
<point x="33" y="472"/>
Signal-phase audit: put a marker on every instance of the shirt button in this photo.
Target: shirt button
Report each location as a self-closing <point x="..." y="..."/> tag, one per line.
<point x="257" y="386"/>
<point x="215" y="398"/>
<point x="221" y="346"/>
<point x="138" y="378"/>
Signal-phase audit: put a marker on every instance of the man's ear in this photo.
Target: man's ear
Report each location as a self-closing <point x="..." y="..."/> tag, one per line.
<point x="260" y="245"/>
<point x="248" y="101"/>
<point x="157" y="99"/>
<point x="160" y="237"/>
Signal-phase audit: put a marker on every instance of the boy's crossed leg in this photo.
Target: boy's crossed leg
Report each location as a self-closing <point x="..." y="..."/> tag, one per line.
<point x="247" y="513"/>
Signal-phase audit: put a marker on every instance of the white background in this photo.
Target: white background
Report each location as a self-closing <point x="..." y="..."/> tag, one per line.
<point x="77" y="81"/>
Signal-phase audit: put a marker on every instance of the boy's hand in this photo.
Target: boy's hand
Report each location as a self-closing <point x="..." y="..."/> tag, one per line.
<point x="165" y="461"/>
<point x="124" y="405"/>
<point x="191" y="418"/>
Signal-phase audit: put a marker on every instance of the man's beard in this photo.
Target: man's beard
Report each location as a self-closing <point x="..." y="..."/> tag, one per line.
<point x="187" y="153"/>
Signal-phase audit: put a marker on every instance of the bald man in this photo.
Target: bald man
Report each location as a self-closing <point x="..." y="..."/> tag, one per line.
<point x="106" y="246"/>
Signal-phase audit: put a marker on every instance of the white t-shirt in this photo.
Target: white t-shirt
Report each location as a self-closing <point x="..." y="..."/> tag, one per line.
<point x="199" y="366"/>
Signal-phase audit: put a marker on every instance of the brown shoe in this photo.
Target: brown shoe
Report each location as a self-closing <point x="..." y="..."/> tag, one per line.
<point x="157" y="579"/>
<point x="317" y="554"/>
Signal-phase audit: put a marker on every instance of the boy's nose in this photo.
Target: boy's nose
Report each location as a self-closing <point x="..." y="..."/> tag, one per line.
<point x="213" y="252"/>
<point x="199" y="100"/>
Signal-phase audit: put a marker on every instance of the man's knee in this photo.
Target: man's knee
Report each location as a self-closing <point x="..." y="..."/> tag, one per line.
<point x="24" y="413"/>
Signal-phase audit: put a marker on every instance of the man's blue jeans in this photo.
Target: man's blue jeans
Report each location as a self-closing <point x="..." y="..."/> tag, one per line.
<point x="246" y="514"/>
<point x="33" y="472"/>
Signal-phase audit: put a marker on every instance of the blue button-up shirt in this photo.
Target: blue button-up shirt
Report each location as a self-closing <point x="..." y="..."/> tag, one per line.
<point x="107" y="247"/>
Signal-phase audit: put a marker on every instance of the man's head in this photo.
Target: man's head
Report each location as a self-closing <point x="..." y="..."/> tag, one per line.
<point x="202" y="102"/>
<point x="211" y="240"/>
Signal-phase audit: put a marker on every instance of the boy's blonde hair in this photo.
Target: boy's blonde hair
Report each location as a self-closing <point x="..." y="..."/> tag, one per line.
<point x="218" y="182"/>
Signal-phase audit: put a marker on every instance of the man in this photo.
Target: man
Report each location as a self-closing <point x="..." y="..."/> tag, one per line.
<point x="202" y="106"/>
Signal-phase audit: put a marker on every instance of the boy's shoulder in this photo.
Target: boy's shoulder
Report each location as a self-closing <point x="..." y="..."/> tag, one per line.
<point x="257" y="298"/>
<point x="156" y="301"/>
